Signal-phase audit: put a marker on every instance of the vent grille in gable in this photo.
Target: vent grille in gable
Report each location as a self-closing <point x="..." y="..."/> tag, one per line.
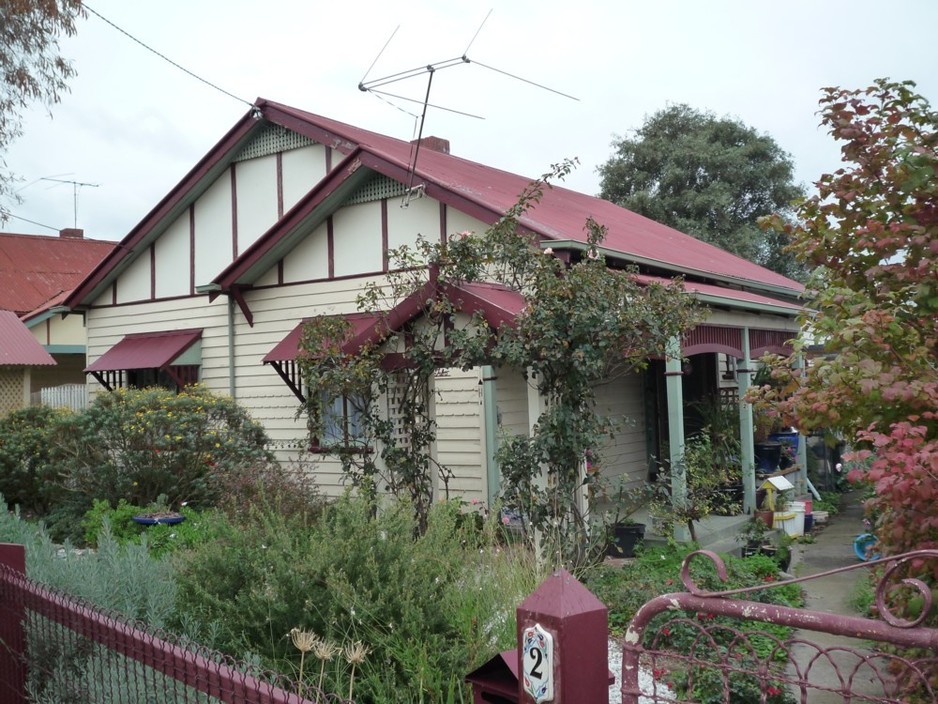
<point x="270" y="140"/>
<point x="375" y="188"/>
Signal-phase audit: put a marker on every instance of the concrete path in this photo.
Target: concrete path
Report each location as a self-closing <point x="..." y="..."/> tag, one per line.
<point x="833" y="548"/>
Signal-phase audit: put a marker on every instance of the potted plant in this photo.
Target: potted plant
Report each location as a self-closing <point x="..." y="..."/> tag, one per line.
<point x="755" y="538"/>
<point x="623" y="534"/>
<point x="158" y="513"/>
<point x="706" y="475"/>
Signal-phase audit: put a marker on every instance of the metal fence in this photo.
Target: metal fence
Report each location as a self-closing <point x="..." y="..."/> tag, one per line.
<point x="698" y="646"/>
<point x="56" y="649"/>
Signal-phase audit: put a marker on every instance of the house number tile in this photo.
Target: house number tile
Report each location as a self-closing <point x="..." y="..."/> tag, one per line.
<point x="538" y="663"/>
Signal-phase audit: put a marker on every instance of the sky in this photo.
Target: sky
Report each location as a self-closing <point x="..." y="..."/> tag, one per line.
<point x="133" y="125"/>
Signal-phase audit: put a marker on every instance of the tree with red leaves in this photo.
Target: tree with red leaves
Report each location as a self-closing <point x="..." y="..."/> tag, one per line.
<point x="871" y="235"/>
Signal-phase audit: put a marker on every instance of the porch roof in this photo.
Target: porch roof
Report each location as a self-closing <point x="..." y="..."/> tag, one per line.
<point x="147" y="350"/>
<point x="18" y="347"/>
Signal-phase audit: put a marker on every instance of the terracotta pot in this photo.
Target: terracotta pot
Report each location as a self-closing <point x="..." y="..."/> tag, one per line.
<point x="766" y="517"/>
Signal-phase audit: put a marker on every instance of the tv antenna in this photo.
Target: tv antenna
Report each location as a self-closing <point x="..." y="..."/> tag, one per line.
<point x="372" y="87"/>
<point x="76" y="186"/>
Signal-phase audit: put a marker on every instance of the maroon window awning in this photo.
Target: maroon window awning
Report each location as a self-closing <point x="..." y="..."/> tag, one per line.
<point x="287" y="349"/>
<point x="158" y="351"/>
<point x="283" y="356"/>
<point x="146" y="350"/>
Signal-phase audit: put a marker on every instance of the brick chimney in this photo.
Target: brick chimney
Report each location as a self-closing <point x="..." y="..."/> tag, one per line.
<point x="72" y="233"/>
<point x="437" y="144"/>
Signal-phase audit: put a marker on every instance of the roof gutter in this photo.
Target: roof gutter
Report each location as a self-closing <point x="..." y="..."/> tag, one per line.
<point x="616" y="254"/>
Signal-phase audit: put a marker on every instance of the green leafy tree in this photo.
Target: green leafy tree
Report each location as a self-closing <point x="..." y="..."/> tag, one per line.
<point x="709" y="177"/>
<point x="31" y="68"/>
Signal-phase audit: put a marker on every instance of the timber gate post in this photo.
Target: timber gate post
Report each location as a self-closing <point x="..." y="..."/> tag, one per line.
<point x="12" y="630"/>
<point x="563" y="644"/>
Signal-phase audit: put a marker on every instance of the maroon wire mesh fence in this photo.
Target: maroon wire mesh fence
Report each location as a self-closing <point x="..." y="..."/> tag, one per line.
<point x="698" y="646"/>
<point x="57" y="649"/>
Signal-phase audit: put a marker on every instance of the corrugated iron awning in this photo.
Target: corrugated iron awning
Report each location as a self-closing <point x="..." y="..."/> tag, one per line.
<point x="18" y="347"/>
<point x="287" y="349"/>
<point x="147" y="350"/>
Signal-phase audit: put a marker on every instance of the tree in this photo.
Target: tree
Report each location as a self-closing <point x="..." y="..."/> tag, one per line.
<point x="872" y="234"/>
<point x="30" y="67"/>
<point x="709" y="177"/>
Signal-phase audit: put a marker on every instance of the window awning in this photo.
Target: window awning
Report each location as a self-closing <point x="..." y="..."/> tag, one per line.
<point x="286" y="350"/>
<point x="283" y="356"/>
<point x="146" y="350"/>
<point x="173" y="353"/>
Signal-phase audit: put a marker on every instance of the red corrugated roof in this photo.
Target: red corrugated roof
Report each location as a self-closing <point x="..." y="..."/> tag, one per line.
<point x="561" y="214"/>
<point x="36" y="268"/>
<point x="147" y="350"/>
<point x="482" y="191"/>
<point x="18" y="347"/>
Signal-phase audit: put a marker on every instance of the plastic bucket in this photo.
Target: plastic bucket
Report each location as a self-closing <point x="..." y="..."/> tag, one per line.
<point x="805" y="501"/>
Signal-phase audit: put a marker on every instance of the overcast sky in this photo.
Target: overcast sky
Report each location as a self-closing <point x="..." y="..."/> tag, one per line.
<point x="134" y="124"/>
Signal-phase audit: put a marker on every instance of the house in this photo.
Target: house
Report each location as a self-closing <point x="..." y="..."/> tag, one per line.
<point x="20" y="355"/>
<point x="291" y="214"/>
<point x="36" y="273"/>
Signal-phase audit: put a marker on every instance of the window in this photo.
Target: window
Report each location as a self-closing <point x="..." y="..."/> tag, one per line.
<point x="342" y="421"/>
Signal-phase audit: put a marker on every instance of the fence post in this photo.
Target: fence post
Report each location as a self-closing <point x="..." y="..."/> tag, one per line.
<point x="563" y="644"/>
<point x="12" y="630"/>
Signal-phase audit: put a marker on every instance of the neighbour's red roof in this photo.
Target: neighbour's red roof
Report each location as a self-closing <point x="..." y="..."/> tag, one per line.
<point x="37" y="268"/>
<point x="18" y="347"/>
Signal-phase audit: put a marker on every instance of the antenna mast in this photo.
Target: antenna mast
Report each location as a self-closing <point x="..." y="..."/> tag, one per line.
<point x="76" y="186"/>
<point x="372" y="86"/>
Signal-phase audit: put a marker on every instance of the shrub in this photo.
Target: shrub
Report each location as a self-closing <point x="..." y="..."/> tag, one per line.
<point x="26" y="476"/>
<point x="122" y="578"/>
<point x="198" y="527"/>
<point x="138" y="444"/>
<point x="430" y="607"/>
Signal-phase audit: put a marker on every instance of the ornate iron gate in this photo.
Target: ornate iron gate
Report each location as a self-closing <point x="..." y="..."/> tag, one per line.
<point x="694" y="646"/>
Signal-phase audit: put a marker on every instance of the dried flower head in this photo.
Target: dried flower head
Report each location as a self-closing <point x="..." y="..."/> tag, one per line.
<point x="304" y="641"/>
<point x="325" y="650"/>
<point x="355" y="652"/>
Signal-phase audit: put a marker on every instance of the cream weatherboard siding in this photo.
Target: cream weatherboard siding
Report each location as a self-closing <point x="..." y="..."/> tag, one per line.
<point x="511" y="397"/>
<point x="621" y="399"/>
<point x="460" y="430"/>
<point x="277" y="310"/>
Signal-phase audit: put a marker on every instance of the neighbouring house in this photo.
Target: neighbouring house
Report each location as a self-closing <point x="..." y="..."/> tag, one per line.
<point x="36" y="273"/>
<point x="21" y="356"/>
<point x="290" y="214"/>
